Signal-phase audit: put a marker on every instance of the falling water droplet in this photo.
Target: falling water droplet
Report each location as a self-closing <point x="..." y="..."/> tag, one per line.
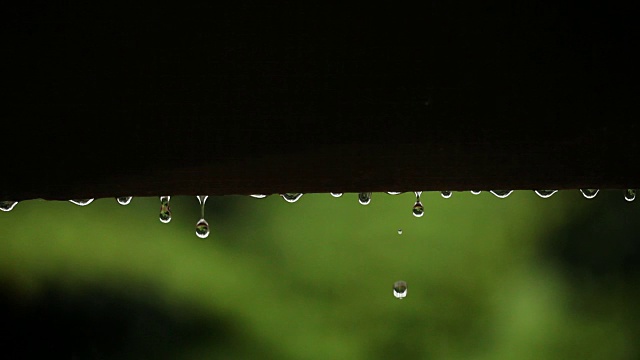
<point x="336" y="195"/>
<point x="630" y="194"/>
<point x="124" y="200"/>
<point x="364" y="198"/>
<point x="6" y="205"/>
<point x="418" y="209"/>
<point x="399" y="231"/>
<point x="545" y="193"/>
<point x="589" y="193"/>
<point x="400" y="289"/>
<point x="165" y="209"/>
<point x="476" y="192"/>
<point x="394" y="192"/>
<point x="291" y="197"/>
<point x="445" y="194"/>
<point x="82" y="202"/>
<point x="259" y="196"/>
<point x="202" y="226"/>
<point x="501" y="193"/>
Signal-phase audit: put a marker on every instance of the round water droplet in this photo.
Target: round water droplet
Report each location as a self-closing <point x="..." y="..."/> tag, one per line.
<point x="124" y="200"/>
<point x="476" y="192"/>
<point x="291" y="197"/>
<point x="6" y="205"/>
<point x="418" y="209"/>
<point x="445" y="194"/>
<point x="364" y="198"/>
<point x="400" y="289"/>
<point x="394" y="192"/>
<point x="336" y="195"/>
<point x="630" y="194"/>
<point x="589" y="193"/>
<point x="165" y="209"/>
<point x="545" y="193"/>
<point x="399" y="231"/>
<point x="82" y="202"/>
<point x="501" y="193"/>
<point x="202" y="228"/>
<point x="258" y="196"/>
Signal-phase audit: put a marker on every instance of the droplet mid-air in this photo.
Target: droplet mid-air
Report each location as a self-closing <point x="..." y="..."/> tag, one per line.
<point x="165" y="209"/>
<point x="445" y="194"/>
<point x="501" y="193"/>
<point x="291" y="197"/>
<point x="336" y="194"/>
<point x="82" y="202"/>
<point x="124" y="200"/>
<point x="545" y="193"/>
<point x="202" y="228"/>
<point x="476" y="192"/>
<point x="259" y="196"/>
<point x="400" y="289"/>
<point x="364" y="198"/>
<point x="630" y="194"/>
<point x="399" y="231"/>
<point x="589" y="193"/>
<point x="7" y="205"/>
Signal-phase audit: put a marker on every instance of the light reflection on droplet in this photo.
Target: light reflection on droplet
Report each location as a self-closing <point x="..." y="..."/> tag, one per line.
<point x="476" y="192"/>
<point x="394" y="192"/>
<point x="165" y="209"/>
<point x="400" y="289"/>
<point x="124" y="200"/>
<point x="501" y="193"/>
<point x="364" y="198"/>
<point x="589" y="193"/>
<point x="630" y="194"/>
<point x="82" y="202"/>
<point x="336" y="195"/>
<point x="545" y="193"/>
<point x="6" y="205"/>
<point x="291" y="197"/>
<point x="259" y="196"/>
<point x="446" y="194"/>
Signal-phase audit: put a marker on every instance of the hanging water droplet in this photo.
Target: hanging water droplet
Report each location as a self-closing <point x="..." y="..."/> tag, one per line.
<point x="501" y="193"/>
<point x="364" y="198"/>
<point x="259" y="196"/>
<point x="165" y="209"/>
<point x="630" y="194"/>
<point x="202" y="226"/>
<point x="6" y="205"/>
<point x="545" y="193"/>
<point x="476" y="192"/>
<point x="589" y="193"/>
<point x="418" y="209"/>
<point x="82" y="202"/>
<point x="124" y="200"/>
<point x="445" y="194"/>
<point x="400" y="289"/>
<point x="336" y="195"/>
<point x="394" y="192"/>
<point x="399" y="231"/>
<point x="291" y="197"/>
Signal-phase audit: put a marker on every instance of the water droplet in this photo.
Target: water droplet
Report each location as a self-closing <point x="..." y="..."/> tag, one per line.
<point x="446" y="194"/>
<point x="418" y="209"/>
<point x="6" y="205"/>
<point x="202" y="228"/>
<point x="336" y="195"/>
<point x="124" y="200"/>
<point x="630" y="194"/>
<point x="476" y="192"/>
<point x="165" y="209"/>
<point x="82" y="202"/>
<point x="545" y="193"/>
<point x="394" y="192"/>
<point x="291" y="197"/>
<point x="400" y="289"/>
<point x="399" y="231"/>
<point x="364" y="198"/>
<point x="501" y="193"/>
<point x="589" y="193"/>
<point x="258" y="196"/>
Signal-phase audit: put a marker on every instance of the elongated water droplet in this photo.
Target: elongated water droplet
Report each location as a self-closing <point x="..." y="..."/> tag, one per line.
<point x="501" y="193"/>
<point x="364" y="198"/>
<point x="202" y="226"/>
<point x="336" y="195"/>
<point x="394" y="192"/>
<point x="630" y="194"/>
<point x="400" y="289"/>
<point x="82" y="202"/>
<point x="291" y="197"/>
<point x="445" y="194"/>
<point x="124" y="200"/>
<point x="399" y="231"/>
<point x="165" y="209"/>
<point x="259" y="196"/>
<point x="6" y="205"/>
<point x="418" y="209"/>
<point x="476" y="192"/>
<point x="545" y="193"/>
<point x="589" y="193"/>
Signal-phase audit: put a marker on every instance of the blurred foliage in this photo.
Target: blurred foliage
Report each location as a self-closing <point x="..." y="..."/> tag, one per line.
<point x="488" y="278"/>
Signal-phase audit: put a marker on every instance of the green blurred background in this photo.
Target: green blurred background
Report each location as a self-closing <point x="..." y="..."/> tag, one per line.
<point x="488" y="278"/>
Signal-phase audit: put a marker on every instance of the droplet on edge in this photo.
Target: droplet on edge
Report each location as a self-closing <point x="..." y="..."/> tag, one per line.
<point x="202" y="228"/>
<point x="545" y="193"/>
<point x="82" y="202"/>
<point x="400" y="289"/>
<point x="124" y="200"/>
<point x="336" y="195"/>
<point x="501" y="193"/>
<point x="589" y="193"/>
<point x="6" y="205"/>
<point x="445" y="194"/>
<point x="364" y="198"/>
<point x="476" y="192"/>
<point x="165" y="209"/>
<point x="418" y="209"/>
<point x="394" y="192"/>
<point x="630" y="194"/>
<point x="399" y="231"/>
<point x="258" y="196"/>
<point x="291" y="197"/>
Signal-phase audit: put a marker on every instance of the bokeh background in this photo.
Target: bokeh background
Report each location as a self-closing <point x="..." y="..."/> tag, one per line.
<point x="488" y="278"/>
